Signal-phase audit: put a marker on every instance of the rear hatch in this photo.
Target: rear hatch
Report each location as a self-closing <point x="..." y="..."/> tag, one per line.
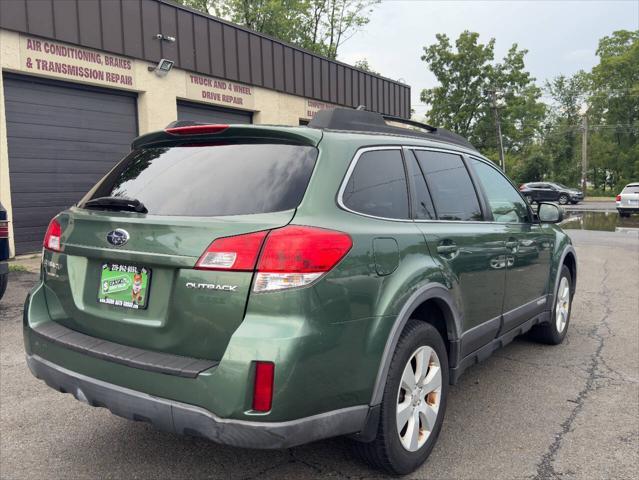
<point x="129" y="271"/>
<point x="629" y="197"/>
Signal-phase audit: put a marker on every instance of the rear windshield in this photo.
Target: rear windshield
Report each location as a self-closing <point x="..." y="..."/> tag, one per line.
<point x="631" y="189"/>
<point x="212" y="180"/>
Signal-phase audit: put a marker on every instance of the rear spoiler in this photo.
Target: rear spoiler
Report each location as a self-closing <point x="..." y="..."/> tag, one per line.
<point x="192" y="133"/>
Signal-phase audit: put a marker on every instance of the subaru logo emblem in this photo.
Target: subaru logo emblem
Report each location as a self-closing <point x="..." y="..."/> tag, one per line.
<point x="118" y="237"/>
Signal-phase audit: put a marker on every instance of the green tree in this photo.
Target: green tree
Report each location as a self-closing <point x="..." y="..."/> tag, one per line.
<point x="562" y="133"/>
<point x="463" y="75"/>
<point x="467" y="74"/>
<point x="614" y="109"/>
<point x="532" y="168"/>
<point x="321" y="26"/>
<point x="201" y="5"/>
<point x="364" y="65"/>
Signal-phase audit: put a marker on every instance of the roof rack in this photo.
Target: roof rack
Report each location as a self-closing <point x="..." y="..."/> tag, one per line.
<point x="410" y="122"/>
<point x="365" y="121"/>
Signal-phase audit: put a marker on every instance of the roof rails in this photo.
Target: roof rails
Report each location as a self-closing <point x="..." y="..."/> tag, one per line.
<point x="410" y="122"/>
<point x="360" y="120"/>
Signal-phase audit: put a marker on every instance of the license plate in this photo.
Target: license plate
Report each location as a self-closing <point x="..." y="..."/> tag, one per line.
<point x="124" y="286"/>
<point x="634" y="203"/>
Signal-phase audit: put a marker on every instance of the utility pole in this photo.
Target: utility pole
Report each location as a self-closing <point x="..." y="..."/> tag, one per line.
<point x="493" y="101"/>
<point x="584" y="152"/>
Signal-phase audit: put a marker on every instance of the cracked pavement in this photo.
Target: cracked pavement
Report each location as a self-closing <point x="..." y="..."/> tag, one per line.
<point x="529" y="412"/>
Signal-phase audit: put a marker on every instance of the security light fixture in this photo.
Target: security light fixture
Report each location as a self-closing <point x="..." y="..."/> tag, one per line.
<point x="163" y="67"/>
<point x="166" y="38"/>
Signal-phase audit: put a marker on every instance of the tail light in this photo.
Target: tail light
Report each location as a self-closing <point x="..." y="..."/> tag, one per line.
<point x="618" y="198"/>
<point x="4" y="229"/>
<point x="295" y="256"/>
<point x="232" y="253"/>
<point x="291" y="256"/>
<point x="522" y="187"/>
<point x="263" y="386"/>
<point x="196" y="129"/>
<point x="52" y="237"/>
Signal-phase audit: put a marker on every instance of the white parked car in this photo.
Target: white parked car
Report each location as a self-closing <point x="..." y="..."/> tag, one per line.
<point x="628" y="200"/>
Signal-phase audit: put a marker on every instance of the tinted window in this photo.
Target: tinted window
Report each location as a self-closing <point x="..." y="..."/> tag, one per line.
<point x="422" y="203"/>
<point x="450" y="186"/>
<point x="212" y="180"/>
<point x="504" y="201"/>
<point x="377" y="185"/>
<point x="631" y="189"/>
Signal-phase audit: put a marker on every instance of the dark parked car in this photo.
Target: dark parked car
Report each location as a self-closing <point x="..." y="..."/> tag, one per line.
<point x="551" y="192"/>
<point x="4" y="250"/>
<point x="297" y="283"/>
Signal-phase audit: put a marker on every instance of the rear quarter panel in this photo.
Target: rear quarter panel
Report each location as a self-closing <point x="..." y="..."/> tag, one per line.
<point x="342" y="323"/>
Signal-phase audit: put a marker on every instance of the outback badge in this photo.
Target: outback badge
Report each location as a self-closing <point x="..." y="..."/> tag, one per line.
<point x="211" y="286"/>
<point x="117" y="237"/>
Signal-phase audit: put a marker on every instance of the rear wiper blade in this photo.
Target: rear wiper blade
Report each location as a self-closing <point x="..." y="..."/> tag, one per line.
<point x="116" y="204"/>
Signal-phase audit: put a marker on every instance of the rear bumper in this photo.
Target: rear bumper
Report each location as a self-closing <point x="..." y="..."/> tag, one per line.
<point x="187" y="419"/>
<point x="625" y="209"/>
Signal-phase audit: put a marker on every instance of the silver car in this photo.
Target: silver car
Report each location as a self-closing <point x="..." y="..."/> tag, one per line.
<point x="628" y="200"/>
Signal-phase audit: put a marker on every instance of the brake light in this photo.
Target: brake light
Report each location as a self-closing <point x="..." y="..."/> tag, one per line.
<point x="292" y="256"/>
<point x="197" y="129"/>
<point x="232" y="253"/>
<point x="263" y="386"/>
<point x="52" y="237"/>
<point x="522" y="187"/>
<point x="618" y="198"/>
<point x="4" y="229"/>
<point x="295" y="256"/>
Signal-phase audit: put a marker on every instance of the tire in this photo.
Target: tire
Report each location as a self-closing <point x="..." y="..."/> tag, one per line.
<point x="4" y="279"/>
<point x="554" y="331"/>
<point x="563" y="199"/>
<point x="387" y="451"/>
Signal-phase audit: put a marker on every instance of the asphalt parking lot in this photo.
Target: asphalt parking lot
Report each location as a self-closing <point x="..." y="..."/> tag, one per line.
<point x="597" y="205"/>
<point x="530" y="411"/>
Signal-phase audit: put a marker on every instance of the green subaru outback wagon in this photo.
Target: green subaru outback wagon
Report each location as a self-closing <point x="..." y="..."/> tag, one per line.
<point x="265" y="287"/>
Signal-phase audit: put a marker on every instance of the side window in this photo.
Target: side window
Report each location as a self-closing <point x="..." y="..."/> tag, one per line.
<point x="377" y="185"/>
<point x="505" y="202"/>
<point x="453" y="193"/>
<point x="422" y="202"/>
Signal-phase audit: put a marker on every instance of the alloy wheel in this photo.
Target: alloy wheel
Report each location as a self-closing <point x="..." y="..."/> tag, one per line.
<point x="562" y="308"/>
<point x="419" y="398"/>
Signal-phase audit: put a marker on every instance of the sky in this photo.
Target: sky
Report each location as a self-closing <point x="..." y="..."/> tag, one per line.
<point x="561" y="35"/>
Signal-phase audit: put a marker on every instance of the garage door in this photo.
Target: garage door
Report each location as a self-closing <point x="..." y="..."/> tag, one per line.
<point x="62" y="138"/>
<point x="209" y="114"/>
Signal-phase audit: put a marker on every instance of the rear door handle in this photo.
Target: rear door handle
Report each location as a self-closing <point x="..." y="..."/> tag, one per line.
<point x="512" y="244"/>
<point x="447" y="249"/>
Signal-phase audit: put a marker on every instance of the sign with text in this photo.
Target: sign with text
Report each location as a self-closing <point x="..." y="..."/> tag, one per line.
<point x="59" y="60"/>
<point x="314" y="106"/>
<point x="219" y="92"/>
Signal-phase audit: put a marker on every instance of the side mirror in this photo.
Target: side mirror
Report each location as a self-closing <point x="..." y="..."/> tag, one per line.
<point x="550" y="213"/>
